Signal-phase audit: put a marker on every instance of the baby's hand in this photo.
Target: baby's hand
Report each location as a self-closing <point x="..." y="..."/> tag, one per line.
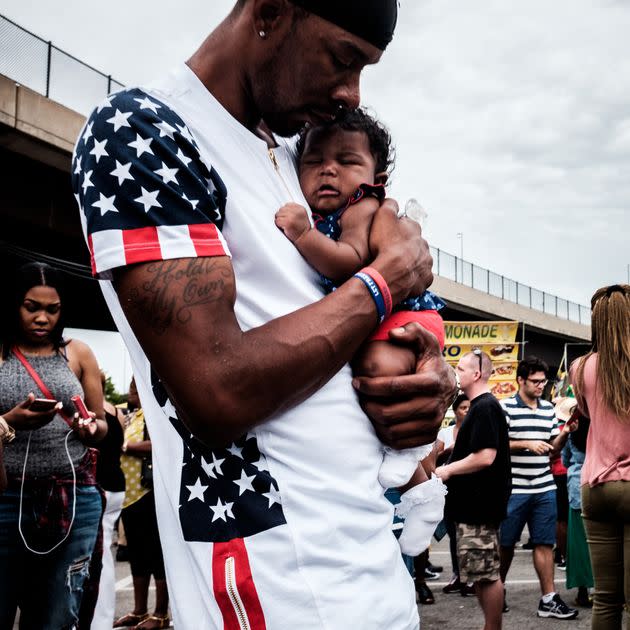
<point x="292" y="219"/>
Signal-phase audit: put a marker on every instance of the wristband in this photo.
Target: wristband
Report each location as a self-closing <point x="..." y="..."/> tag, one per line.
<point x="7" y="432"/>
<point x="382" y="285"/>
<point x="375" y="292"/>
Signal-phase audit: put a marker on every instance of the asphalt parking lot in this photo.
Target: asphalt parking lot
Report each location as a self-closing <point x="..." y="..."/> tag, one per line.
<point x="451" y="612"/>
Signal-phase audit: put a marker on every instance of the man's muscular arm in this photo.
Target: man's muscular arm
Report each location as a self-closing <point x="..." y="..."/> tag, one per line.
<point x="222" y="380"/>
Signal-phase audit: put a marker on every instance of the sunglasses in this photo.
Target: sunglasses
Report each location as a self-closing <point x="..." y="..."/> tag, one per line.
<point x="477" y="353"/>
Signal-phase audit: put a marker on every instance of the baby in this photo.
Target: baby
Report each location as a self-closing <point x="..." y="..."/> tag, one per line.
<point x="343" y="168"/>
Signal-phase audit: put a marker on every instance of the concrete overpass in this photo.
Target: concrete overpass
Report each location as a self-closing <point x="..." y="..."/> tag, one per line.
<point x="39" y="218"/>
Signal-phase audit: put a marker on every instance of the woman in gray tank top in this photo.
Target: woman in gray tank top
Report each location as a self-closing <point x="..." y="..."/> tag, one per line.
<point x="50" y="512"/>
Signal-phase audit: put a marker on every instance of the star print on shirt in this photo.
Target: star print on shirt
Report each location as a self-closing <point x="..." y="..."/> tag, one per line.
<point x="147" y="103"/>
<point x="197" y="490"/>
<point x="142" y="186"/>
<point x="105" y="204"/>
<point x="148" y="199"/>
<point x="223" y="495"/>
<point x="98" y="150"/>
<point x="120" y="119"/>
<point x="121" y="172"/>
<point x="141" y="145"/>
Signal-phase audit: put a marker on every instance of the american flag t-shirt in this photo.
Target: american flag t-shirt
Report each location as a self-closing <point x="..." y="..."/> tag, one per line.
<point x="142" y="187"/>
<point x="333" y="563"/>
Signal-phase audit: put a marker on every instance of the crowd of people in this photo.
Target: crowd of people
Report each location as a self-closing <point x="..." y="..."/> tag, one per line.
<point x="500" y="477"/>
<point x="288" y="358"/>
<point x="59" y="513"/>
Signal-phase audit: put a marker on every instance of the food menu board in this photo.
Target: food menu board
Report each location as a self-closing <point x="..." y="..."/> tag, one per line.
<point x="497" y="340"/>
<point x="497" y="352"/>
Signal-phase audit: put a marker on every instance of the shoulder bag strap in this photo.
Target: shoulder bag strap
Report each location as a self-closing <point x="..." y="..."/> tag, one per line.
<point x="38" y="381"/>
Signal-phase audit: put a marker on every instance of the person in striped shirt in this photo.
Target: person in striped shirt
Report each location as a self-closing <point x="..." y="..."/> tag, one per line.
<point x="534" y="436"/>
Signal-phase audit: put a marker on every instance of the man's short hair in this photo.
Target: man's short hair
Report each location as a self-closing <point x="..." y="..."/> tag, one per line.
<point x="482" y="360"/>
<point x="529" y="366"/>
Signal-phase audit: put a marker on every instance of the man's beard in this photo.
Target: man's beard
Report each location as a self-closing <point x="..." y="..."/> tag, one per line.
<point x="283" y="124"/>
<point x="277" y="114"/>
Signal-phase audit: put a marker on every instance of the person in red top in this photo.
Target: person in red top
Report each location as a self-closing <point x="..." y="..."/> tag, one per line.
<point x="559" y="472"/>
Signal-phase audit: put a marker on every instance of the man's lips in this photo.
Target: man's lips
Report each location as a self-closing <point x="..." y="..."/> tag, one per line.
<point x="320" y="117"/>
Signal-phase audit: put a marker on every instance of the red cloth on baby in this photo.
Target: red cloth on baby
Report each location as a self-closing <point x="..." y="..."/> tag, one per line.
<point x="429" y="320"/>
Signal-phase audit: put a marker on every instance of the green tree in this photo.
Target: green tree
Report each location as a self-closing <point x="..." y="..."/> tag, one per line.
<point x="111" y="394"/>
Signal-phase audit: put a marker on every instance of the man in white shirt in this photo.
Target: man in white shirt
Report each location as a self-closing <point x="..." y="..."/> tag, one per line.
<point x="266" y="487"/>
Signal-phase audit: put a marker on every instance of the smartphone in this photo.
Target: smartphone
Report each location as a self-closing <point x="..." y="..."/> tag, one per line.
<point x="79" y="405"/>
<point x="43" y="404"/>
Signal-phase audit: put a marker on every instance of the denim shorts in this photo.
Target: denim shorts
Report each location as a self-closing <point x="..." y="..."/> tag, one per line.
<point x="538" y="510"/>
<point x="47" y="588"/>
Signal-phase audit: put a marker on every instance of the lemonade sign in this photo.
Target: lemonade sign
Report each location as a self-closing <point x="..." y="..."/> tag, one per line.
<point x="497" y="340"/>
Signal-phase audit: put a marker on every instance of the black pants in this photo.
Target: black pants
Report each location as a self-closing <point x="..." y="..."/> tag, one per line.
<point x="143" y="538"/>
<point x="451" y="530"/>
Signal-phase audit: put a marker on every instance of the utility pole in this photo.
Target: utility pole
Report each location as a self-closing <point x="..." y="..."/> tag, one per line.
<point x="460" y="236"/>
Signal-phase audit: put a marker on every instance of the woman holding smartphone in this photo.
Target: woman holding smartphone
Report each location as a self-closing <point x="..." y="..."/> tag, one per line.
<point x="51" y="509"/>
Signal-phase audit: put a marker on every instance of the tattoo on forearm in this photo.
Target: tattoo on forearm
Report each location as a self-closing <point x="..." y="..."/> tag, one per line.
<point x="172" y="290"/>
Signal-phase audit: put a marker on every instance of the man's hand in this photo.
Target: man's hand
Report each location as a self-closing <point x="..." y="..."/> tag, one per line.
<point x="399" y="241"/>
<point x="292" y="219"/>
<point x="539" y="447"/>
<point x="407" y="410"/>
<point x="443" y="472"/>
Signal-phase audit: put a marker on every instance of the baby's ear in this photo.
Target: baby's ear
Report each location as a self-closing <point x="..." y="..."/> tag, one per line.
<point x="380" y="178"/>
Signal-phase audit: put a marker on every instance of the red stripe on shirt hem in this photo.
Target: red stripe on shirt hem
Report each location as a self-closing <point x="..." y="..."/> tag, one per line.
<point x="243" y="582"/>
<point x="92" y="260"/>
<point x="205" y="238"/>
<point x="141" y="244"/>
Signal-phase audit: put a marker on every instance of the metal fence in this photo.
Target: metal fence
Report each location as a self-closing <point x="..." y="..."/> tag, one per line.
<point x="41" y="66"/>
<point x="454" y="268"/>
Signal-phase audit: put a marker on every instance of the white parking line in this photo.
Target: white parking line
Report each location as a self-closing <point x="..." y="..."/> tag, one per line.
<point x="508" y="583"/>
<point x="448" y="553"/>
<point x="124" y="584"/>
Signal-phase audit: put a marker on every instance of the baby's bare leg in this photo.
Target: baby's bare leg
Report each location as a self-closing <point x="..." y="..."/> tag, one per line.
<point x="383" y="358"/>
<point x="422" y="502"/>
<point x="418" y="477"/>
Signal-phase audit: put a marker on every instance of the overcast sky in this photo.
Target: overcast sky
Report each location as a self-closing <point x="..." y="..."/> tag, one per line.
<point x="511" y="118"/>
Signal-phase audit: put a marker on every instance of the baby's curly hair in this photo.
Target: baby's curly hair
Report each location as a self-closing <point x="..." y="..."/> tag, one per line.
<point x="379" y="138"/>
